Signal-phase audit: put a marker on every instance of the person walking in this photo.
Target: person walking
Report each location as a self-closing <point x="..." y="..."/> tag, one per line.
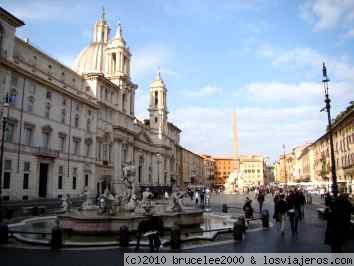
<point x="337" y="214"/>
<point x="247" y="208"/>
<point x="280" y="208"/>
<point x="293" y="202"/>
<point x="260" y="199"/>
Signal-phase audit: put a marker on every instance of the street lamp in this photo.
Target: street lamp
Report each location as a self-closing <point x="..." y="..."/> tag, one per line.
<point x="286" y="176"/>
<point x="4" y="122"/>
<point x="327" y="108"/>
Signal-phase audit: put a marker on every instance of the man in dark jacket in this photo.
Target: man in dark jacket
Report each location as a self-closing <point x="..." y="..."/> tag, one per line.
<point x="260" y="199"/>
<point x="337" y="214"/>
<point x="280" y="208"/>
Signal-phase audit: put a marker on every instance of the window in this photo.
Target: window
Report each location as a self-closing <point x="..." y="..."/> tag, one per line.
<point x="63" y="115"/>
<point x="62" y="141"/>
<point x="106" y="94"/>
<point x="26" y="166"/>
<point x="86" y="180"/>
<point x="13" y="97"/>
<point x="7" y="165"/>
<point x="14" y="81"/>
<point x="7" y="176"/>
<point x="49" y="95"/>
<point x="47" y="111"/>
<point x="88" y="125"/>
<point x="155" y="119"/>
<point x="30" y="102"/>
<point x="9" y="134"/>
<point x="46" y="140"/>
<point x="28" y="135"/>
<point x="78" y="107"/>
<point x="25" y="180"/>
<point x="76" y="121"/>
<point x="64" y="102"/>
<point x="124" y="99"/>
<point x="88" y="149"/>
<point x="76" y="145"/>
<point x="24" y="197"/>
<point x="60" y="182"/>
<point x="105" y="151"/>
<point x="32" y="87"/>
<point x="74" y="182"/>
<point x="156" y="97"/>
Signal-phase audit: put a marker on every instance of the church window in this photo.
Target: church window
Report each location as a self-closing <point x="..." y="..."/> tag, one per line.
<point x="114" y="62"/>
<point x="156" y="98"/>
<point x="124" y="99"/>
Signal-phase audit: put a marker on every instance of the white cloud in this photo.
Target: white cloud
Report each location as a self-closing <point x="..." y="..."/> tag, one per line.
<point x="304" y="92"/>
<point x="328" y="14"/>
<point x="203" y="92"/>
<point x="261" y="130"/>
<point x="309" y="59"/>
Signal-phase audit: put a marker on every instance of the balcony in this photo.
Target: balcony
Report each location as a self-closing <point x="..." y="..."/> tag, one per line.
<point x="46" y="152"/>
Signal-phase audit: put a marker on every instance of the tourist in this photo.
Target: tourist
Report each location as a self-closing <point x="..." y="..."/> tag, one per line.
<point x="280" y="208"/>
<point x="247" y="208"/>
<point x="166" y="195"/>
<point x="260" y="199"/>
<point x="293" y="202"/>
<point x="337" y="214"/>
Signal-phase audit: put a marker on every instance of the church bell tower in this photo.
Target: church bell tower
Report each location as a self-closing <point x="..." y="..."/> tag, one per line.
<point x="158" y="105"/>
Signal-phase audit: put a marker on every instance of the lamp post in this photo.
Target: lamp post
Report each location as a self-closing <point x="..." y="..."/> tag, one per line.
<point x="4" y="122"/>
<point x="286" y="176"/>
<point x="327" y="108"/>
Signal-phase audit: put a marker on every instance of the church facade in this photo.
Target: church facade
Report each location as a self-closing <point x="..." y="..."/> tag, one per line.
<point x="72" y="129"/>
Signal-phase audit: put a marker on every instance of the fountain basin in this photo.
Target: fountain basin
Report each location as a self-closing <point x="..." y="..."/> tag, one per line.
<point x="89" y="222"/>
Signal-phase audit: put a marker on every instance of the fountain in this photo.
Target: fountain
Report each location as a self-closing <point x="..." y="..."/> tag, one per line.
<point x="235" y="182"/>
<point x="124" y="208"/>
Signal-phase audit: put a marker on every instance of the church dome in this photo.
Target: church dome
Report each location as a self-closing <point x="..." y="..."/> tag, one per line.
<point x="91" y="59"/>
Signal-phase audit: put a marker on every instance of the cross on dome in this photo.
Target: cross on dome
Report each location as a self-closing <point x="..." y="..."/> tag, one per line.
<point x="103" y="15"/>
<point x="119" y="33"/>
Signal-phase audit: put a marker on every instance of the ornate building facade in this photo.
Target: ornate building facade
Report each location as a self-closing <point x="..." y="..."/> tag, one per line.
<point x="72" y="129"/>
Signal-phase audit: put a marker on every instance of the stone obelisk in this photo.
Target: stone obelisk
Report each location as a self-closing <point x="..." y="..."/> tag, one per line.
<point x="235" y="144"/>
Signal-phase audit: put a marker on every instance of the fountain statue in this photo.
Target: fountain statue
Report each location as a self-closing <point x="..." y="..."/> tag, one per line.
<point x="176" y="202"/>
<point x="124" y="208"/>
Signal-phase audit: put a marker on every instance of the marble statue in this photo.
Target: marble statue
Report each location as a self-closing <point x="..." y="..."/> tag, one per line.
<point x="146" y="202"/>
<point x="176" y="202"/>
<point x="67" y="204"/>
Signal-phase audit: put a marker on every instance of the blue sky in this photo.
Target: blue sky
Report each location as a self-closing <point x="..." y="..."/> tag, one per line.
<point x="260" y="58"/>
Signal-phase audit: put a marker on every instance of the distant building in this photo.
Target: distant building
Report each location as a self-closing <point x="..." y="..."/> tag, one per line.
<point x="224" y="165"/>
<point x="209" y="170"/>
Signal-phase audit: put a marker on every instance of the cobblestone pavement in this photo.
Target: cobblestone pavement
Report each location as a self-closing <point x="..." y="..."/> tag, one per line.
<point x="309" y="239"/>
